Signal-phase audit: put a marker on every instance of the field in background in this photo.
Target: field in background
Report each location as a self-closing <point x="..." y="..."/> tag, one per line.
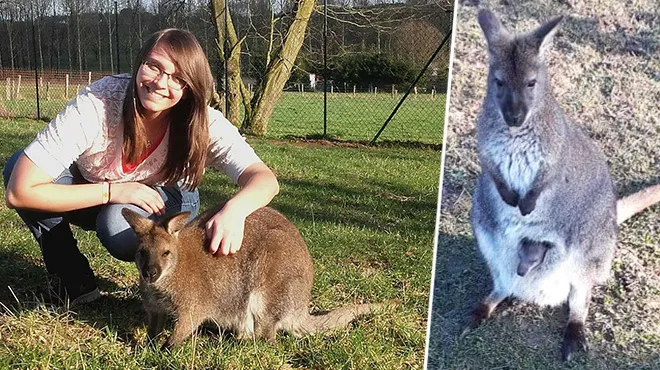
<point x="353" y="117"/>
<point x="604" y="69"/>
<point x="366" y="213"/>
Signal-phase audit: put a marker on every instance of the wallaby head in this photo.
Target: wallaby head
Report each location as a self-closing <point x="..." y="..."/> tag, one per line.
<point x="517" y="76"/>
<point x="158" y="245"/>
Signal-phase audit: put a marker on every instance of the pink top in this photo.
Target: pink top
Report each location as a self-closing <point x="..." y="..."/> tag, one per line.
<point x="89" y="132"/>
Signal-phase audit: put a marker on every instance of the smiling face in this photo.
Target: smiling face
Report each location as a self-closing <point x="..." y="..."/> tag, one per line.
<point x="154" y="89"/>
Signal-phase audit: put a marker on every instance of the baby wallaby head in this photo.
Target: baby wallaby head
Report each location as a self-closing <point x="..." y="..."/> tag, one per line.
<point x="158" y="244"/>
<point x="517" y="76"/>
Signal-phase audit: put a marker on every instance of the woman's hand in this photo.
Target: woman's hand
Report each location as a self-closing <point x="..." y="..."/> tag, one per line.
<point x="225" y="230"/>
<point x="141" y="195"/>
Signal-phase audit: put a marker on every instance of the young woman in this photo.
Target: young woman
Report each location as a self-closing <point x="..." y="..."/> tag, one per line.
<point x="140" y="141"/>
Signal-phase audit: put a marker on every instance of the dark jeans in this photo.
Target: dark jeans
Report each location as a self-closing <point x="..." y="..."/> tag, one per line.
<point x="53" y="232"/>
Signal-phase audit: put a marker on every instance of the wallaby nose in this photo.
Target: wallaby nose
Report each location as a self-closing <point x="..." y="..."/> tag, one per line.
<point x="514" y="119"/>
<point x="150" y="274"/>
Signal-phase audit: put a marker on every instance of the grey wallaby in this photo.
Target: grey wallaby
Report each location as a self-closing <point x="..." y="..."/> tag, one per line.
<point x="544" y="209"/>
<point x="263" y="288"/>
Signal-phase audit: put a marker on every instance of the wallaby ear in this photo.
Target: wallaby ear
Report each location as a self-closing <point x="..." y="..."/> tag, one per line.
<point x="492" y="28"/>
<point x="175" y="223"/>
<point x="543" y="35"/>
<point x="137" y="222"/>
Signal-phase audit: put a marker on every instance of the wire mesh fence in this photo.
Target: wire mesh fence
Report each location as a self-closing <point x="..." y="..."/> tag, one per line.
<point x="357" y="61"/>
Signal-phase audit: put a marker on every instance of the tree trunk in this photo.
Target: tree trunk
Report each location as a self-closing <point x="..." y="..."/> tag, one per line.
<point x="80" y="66"/>
<point x="233" y="62"/>
<point x="112" y="63"/>
<point x="41" y="51"/>
<point x="278" y="72"/>
<point x="68" y="40"/>
<point x="98" y="33"/>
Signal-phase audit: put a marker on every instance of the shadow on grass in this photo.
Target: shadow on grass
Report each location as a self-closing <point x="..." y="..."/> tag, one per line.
<point x="26" y="283"/>
<point x="345" y="205"/>
<point x="321" y="140"/>
<point x="630" y="187"/>
<point x="461" y="280"/>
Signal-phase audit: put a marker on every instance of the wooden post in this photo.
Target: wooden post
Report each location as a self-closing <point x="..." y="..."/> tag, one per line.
<point x="13" y="89"/>
<point x="375" y="90"/>
<point x="415" y="91"/>
<point x="18" y="88"/>
<point x="41" y="81"/>
<point x="393" y="91"/>
<point x="89" y="78"/>
<point x="354" y="92"/>
<point x="8" y="89"/>
<point x="66" y="86"/>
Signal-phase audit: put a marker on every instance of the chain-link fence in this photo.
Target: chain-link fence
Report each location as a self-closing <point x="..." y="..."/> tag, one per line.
<point x="357" y="62"/>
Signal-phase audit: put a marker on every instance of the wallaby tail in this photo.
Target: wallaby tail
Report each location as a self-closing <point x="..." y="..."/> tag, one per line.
<point x="340" y="317"/>
<point x="629" y="206"/>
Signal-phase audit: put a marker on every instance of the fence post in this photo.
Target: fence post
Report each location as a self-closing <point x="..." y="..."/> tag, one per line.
<point x="18" y="88"/>
<point x="66" y="86"/>
<point x="8" y="89"/>
<point x="89" y="77"/>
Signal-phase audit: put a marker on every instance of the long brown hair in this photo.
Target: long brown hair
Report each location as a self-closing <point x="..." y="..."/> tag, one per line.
<point x="189" y="131"/>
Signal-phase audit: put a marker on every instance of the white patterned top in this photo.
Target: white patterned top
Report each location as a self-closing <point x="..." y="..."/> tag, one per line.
<point x="89" y="132"/>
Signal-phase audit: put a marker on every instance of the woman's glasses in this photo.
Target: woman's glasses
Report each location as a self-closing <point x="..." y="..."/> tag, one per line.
<point x="152" y="70"/>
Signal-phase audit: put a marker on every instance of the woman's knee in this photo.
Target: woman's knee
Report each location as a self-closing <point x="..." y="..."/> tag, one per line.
<point x="114" y="232"/>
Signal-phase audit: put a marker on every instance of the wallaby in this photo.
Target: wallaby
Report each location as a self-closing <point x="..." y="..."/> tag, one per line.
<point x="544" y="210"/>
<point x="264" y="287"/>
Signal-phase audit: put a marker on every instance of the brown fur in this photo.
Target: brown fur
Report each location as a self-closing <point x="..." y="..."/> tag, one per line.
<point x="263" y="288"/>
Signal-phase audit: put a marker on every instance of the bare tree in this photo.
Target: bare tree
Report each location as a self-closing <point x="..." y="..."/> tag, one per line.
<point x="8" y="10"/>
<point x="41" y="9"/>
<point x="280" y="57"/>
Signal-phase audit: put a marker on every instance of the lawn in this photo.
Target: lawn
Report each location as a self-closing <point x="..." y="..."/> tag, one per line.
<point x="350" y="117"/>
<point x="604" y="69"/>
<point x="366" y="213"/>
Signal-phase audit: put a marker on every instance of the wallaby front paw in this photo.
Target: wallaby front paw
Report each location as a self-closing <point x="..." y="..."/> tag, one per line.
<point x="574" y="341"/>
<point x="527" y="205"/>
<point x="511" y="198"/>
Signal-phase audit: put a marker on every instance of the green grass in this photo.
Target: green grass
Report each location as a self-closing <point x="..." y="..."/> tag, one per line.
<point x="367" y="215"/>
<point x="350" y="117"/>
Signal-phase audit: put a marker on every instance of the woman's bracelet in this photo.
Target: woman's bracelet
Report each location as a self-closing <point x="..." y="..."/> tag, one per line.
<point x="106" y="192"/>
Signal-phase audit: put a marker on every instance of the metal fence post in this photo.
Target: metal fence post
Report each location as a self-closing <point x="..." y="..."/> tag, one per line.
<point x="410" y="88"/>
<point x="36" y="68"/>
<point x="325" y="68"/>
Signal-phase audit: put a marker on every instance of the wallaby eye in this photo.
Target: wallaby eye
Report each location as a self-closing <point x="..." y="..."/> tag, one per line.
<point x="499" y="82"/>
<point x="531" y="83"/>
<point x="166" y="253"/>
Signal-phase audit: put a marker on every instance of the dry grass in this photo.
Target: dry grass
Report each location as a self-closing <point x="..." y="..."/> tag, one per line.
<point x="606" y="74"/>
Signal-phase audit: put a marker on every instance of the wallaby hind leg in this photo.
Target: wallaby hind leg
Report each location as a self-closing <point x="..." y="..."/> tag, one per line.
<point x="266" y="330"/>
<point x="578" y="306"/>
<point x="186" y="325"/>
<point x="485" y="308"/>
<point x="156" y="323"/>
